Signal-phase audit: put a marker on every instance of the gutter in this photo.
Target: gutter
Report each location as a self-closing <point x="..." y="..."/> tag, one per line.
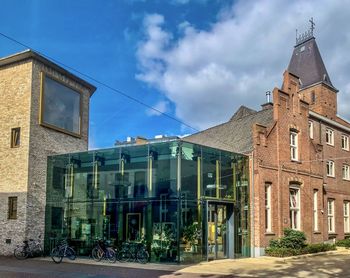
<point x="329" y="121"/>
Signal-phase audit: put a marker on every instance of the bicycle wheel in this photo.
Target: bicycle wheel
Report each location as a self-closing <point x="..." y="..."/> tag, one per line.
<point x="124" y="255"/>
<point x="70" y="253"/>
<point x="56" y="255"/>
<point x="39" y="252"/>
<point x="20" y="252"/>
<point x="97" y="254"/>
<point x="142" y="256"/>
<point x="110" y="255"/>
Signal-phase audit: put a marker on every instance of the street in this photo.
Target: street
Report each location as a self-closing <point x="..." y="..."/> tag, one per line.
<point x="30" y="268"/>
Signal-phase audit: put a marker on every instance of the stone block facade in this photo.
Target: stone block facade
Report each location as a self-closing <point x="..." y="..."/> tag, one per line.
<point x="23" y="169"/>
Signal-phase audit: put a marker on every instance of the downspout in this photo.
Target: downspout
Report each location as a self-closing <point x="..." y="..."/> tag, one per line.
<point x="253" y="210"/>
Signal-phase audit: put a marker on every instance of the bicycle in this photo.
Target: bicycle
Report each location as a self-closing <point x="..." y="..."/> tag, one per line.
<point x="102" y="251"/>
<point x="29" y="248"/>
<point x="62" y="250"/>
<point x="133" y="251"/>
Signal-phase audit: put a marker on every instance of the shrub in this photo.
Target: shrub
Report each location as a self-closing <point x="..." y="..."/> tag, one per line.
<point x="343" y="243"/>
<point x="287" y="252"/>
<point x="291" y="239"/>
<point x="319" y="247"/>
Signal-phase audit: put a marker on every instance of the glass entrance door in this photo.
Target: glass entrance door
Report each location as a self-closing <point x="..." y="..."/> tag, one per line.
<point x="217" y="223"/>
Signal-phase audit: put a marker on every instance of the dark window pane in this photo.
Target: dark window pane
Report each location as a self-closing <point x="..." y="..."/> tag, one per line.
<point x="61" y="106"/>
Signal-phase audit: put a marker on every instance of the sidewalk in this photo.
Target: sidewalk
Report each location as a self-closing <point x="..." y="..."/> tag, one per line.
<point x="327" y="264"/>
<point x="320" y="265"/>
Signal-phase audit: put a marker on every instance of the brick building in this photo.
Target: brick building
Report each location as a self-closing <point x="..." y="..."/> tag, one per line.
<point x="44" y="110"/>
<point x="299" y="154"/>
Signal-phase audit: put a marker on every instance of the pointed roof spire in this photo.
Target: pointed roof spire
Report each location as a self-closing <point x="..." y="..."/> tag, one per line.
<point x="306" y="61"/>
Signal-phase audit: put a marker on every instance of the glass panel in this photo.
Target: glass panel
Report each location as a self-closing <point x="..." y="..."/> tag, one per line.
<point x="61" y="106"/>
<point x="130" y="193"/>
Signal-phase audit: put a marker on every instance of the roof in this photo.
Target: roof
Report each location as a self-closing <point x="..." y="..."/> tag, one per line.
<point x="236" y="134"/>
<point x="30" y="54"/>
<point x="306" y="63"/>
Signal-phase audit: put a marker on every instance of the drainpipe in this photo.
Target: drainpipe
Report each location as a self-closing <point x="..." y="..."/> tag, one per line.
<point x="253" y="211"/>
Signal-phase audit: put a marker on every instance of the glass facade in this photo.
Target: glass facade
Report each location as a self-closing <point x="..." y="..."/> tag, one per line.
<point x="185" y="202"/>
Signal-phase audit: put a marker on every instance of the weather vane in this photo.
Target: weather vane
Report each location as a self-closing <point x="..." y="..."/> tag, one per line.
<point x="312" y="28"/>
<point x="306" y="35"/>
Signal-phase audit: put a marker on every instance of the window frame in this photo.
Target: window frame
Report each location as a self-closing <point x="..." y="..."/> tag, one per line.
<point x="12" y="212"/>
<point x="15" y="137"/>
<point x="329" y="136"/>
<point x="293" y="143"/>
<point x="346" y="172"/>
<point x="346" y="208"/>
<point x="345" y="142"/>
<point x="268" y="222"/>
<point x="42" y="109"/>
<point x="294" y="211"/>
<point x="330" y="216"/>
<point x="311" y="129"/>
<point x="315" y="210"/>
<point x="330" y="165"/>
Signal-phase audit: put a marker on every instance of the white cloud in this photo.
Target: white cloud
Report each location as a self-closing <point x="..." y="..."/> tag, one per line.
<point x="209" y="74"/>
<point x="159" y="108"/>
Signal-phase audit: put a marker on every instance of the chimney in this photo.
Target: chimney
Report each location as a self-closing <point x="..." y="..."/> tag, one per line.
<point x="268" y="104"/>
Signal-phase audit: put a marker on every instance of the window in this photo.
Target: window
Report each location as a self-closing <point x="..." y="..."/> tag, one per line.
<point x="330" y="136"/>
<point x="293" y="145"/>
<point x="15" y="137"/>
<point x="313" y="97"/>
<point x="268" y="207"/>
<point x="346" y="217"/>
<point x="315" y="206"/>
<point x="294" y="205"/>
<point x="12" y="209"/>
<point x="330" y="168"/>
<point x="346" y="172"/>
<point x="60" y="107"/>
<point x="311" y="130"/>
<point x="345" y="142"/>
<point x="330" y="205"/>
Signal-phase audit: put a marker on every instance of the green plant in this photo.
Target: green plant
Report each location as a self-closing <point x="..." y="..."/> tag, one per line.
<point x="291" y="239"/>
<point x="343" y="243"/>
<point x="287" y="252"/>
<point x="192" y="233"/>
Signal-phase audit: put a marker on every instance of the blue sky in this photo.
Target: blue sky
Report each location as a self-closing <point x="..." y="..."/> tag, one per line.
<point x="196" y="60"/>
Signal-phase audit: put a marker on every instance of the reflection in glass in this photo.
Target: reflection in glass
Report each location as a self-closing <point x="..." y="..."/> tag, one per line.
<point x="184" y="202"/>
<point x="61" y="106"/>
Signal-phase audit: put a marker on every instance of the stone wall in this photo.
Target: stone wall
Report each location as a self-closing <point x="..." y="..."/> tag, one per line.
<point x="23" y="169"/>
<point x="15" y="95"/>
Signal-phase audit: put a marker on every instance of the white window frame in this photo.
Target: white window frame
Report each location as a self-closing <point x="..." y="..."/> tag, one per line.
<point x="345" y="142"/>
<point x="346" y="172"/>
<point x="268" y="223"/>
<point x="346" y="208"/>
<point x="293" y="141"/>
<point x="330" y="168"/>
<point x="315" y="210"/>
<point x="294" y="208"/>
<point x="330" y="136"/>
<point x="311" y="129"/>
<point x="330" y="216"/>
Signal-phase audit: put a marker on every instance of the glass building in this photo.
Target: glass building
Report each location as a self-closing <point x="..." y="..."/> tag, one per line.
<point x="186" y="202"/>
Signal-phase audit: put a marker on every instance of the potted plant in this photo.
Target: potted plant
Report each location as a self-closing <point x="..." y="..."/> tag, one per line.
<point x="191" y="234"/>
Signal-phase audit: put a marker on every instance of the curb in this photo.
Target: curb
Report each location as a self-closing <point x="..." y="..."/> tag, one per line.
<point x="284" y="259"/>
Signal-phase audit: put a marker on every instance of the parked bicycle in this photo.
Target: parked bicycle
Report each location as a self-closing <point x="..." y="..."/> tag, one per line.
<point x="133" y="251"/>
<point x="62" y="250"/>
<point x="29" y="248"/>
<point x="103" y="251"/>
